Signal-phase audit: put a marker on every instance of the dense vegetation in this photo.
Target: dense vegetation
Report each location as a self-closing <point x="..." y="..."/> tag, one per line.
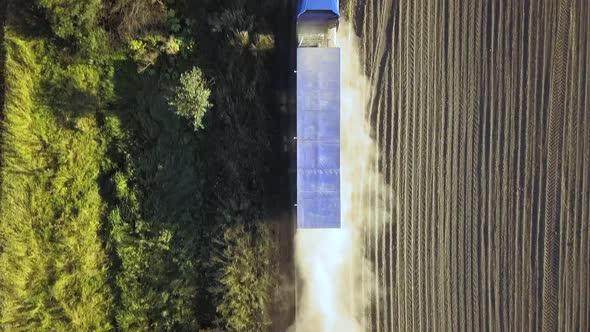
<point x="132" y="153"/>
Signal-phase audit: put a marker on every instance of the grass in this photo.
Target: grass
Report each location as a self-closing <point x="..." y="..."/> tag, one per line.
<point x="53" y="267"/>
<point x="113" y="210"/>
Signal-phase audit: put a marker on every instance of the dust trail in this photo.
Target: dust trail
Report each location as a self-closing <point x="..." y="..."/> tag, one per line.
<point x="335" y="272"/>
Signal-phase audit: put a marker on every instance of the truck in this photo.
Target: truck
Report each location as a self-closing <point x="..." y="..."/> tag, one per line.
<point x="318" y="115"/>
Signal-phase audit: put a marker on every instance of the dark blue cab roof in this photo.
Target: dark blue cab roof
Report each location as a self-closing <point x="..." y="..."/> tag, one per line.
<point x="318" y="5"/>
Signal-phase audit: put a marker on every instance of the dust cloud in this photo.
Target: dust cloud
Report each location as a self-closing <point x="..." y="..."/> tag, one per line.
<point x="335" y="274"/>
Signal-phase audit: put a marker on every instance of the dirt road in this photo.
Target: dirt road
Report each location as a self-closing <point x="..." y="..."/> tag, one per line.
<point x="280" y="180"/>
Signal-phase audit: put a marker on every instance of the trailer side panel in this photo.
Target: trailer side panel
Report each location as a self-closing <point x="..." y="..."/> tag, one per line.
<point x="318" y="138"/>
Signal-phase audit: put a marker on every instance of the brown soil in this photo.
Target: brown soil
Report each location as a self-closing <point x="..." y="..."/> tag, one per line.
<point x="482" y="116"/>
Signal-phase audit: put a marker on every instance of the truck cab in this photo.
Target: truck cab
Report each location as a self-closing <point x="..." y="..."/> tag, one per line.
<point x="317" y="23"/>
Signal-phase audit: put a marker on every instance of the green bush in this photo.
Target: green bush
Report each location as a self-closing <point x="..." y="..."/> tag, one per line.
<point x="155" y="232"/>
<point x="146" y="50"/>
<point x="71" y="18"/>
<point x="191" y="97"/>
<point x="77" y="21"/>
<point x="245" y="278"/>
<point x="263" y="42"/>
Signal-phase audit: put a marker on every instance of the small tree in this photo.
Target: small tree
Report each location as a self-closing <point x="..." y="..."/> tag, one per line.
<point x="71" y="18"/>
<point x="191" y="97"/>
<point x="76" y="21"/>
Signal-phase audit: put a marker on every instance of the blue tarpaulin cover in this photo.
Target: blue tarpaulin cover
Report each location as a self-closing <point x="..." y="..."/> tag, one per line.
<point x="318" y="138"/>
<point x="330" y="5"/>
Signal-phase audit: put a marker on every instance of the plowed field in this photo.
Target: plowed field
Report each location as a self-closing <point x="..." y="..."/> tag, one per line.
<point x="481" y="113"/>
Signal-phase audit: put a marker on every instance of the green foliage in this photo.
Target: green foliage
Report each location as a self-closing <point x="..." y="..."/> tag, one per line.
<point x="191" y="97"/>
<point x="91" y="149"/>
<point x="157" y="289"/>
<point x="76" y="20"/>
<point x="71" y="18"/>
<point x="155" y="233"/>
<point x="169" y="39"/>
<point x="263" y="42"/>
<point x="145" y="51"/>
<point x="172" y="45"/>
<point x="76" y="88"/>
<point x="245" y="278"/>
<point x="172" y="21"/>
<point x="53" y="270"/>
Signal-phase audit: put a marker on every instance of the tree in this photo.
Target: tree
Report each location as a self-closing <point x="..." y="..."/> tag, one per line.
<point x="69" y="18"/>
<point x="75" y="20"/>
<point x="191" y="97"/>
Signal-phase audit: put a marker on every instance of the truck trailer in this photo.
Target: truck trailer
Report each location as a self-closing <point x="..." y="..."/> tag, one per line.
<point x="318" y="115"/>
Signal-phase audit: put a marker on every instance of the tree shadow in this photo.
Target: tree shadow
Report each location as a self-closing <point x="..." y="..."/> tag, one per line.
<point x="157" y="154"/>
<point x="27" y="19"/>
<point x="68" y="102"/>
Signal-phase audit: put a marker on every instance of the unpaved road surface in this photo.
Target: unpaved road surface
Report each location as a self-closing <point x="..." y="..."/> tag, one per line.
<point x="481" y="112"/>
